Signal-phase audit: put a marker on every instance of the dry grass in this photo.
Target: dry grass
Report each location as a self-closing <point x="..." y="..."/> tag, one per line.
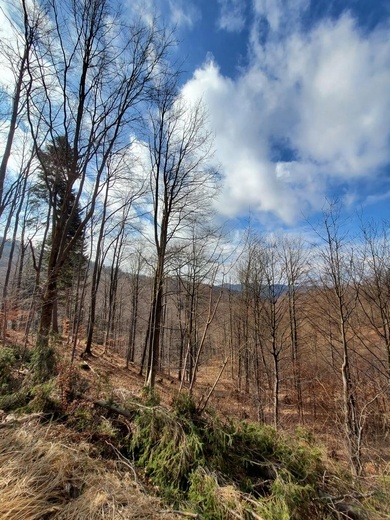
<point x="43" y="475"/>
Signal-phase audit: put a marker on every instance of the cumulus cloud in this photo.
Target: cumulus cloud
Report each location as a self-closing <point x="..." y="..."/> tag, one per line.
<point x="232" y="15"/>
<point x="310" y="111"/>
<point x="250" y="178"/>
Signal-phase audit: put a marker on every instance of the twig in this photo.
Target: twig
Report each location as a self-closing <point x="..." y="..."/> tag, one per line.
<point x="339" y="498"/>
<point x="255" y="516"/>
<point x="237" y="515"/>
<point x="255" y="503"/>
<point x="203" y="405"/>
<point x="121" y="411"/>
<point x="127" y="463"/>
<point x="12" y="420"/>
<point x="113" y="408"/>
<point x="181" y="513"/>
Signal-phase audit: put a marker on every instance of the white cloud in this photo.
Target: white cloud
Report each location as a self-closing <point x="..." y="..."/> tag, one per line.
<point x="380" y="197"/>
<point x="343" y="99"/>
<point x="232" y="15"/>
<point x="281" y="15"/>
<point x="11" y="46"/>
<point x="323" y="94"/>
<point x="177" y="13"/>
<point x="183" y="14"/>
<point x="250" y="178"/>
<point x="146" y="10"/>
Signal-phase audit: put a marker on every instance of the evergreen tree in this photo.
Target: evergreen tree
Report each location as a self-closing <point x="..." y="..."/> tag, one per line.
<point x="56" y="176"/>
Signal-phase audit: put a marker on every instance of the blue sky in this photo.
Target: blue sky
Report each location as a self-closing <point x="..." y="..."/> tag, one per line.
<point x="298" y="96"/>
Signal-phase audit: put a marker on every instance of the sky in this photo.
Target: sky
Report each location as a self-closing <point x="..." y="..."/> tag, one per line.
<point x="298" y="99"/>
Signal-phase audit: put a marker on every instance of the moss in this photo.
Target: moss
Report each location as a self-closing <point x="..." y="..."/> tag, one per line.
<point x="42" y="399"/>
<point x="150" y="397"/>
<point x="14" y="401"/>
<point x="82" y="417"/>
<point x="377" y="501"/>
<point x="43" y="362"/>
<point x="8" y="363"/>
<point x="71" y="383"/>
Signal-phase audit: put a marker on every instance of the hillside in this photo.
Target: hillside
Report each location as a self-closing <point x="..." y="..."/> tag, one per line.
<point x="194" y="260"/>
<point x="90" y="444"/>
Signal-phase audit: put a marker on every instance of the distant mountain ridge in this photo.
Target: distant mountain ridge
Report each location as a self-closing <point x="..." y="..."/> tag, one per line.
<point x="238" y="287"/>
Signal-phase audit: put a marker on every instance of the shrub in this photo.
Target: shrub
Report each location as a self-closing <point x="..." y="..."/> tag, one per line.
<point x="71" y="383"/>
<point x="42" y="399"/>
<point x="222" y="467"/>
<point x="14" y="401"/>
<point x="203" y="494"/>
<point x="43" y="362"/>
<point x="7" y="364"/>
<point x="167" y="448"/>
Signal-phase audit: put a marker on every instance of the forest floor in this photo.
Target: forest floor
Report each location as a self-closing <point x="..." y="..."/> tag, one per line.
<point x="50" y="471"/>
<point x="69" y="467"/>
<point x="225" y="398"/>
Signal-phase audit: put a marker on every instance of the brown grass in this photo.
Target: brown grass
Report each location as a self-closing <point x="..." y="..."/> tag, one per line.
<point x="43" y="475"/>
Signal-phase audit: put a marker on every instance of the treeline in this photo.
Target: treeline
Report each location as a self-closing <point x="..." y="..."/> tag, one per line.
<point x="302" y="335"/>
<point x="106" y="188"/>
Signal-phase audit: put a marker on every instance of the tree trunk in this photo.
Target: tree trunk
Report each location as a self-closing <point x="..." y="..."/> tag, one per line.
<point x="155" y="329"/>
<point x="353" y="432"/>
<point x="43" y="361"/>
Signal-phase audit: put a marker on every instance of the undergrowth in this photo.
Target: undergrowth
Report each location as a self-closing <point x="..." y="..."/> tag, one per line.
<point x="223" y="466"/>
<point x="218" y="468"/>
<point x="19" y="390"/>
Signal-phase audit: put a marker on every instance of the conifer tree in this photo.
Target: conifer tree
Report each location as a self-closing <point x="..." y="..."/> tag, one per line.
<point x="56" y="179"/>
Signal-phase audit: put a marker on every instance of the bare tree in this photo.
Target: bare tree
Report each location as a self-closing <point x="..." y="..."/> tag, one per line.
<point x="137" y="263"/>
<point x="252" y="364"/>
<point x="341" y="297"/>
<point x="117" y="256"/>
<point x="196" y="265"/>
<point x="274" y="313"/>
<point x="295" y="259"/>
<point x="95" y="73"/>
<point x="181" y="185"/>
<point x="16" y="208"/>
<point x="18" y="54"/>
<point x="374" y="291"/>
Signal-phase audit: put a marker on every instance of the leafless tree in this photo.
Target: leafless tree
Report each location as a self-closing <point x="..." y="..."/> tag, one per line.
<point x="16" y="209"/>
<point x="336" y="280"/>
<point x="18" y="54"/>
<point x="95" y="72"/>
<point x="374" y="291"/>
<point x="196" y="265"/>
<point x="262" y="325"/>
<point x="181" y="184"/>
<point x="136" y="268"/>
<point x="295" y="260"/>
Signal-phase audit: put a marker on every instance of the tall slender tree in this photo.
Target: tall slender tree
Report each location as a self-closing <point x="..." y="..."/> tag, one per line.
<point x="337" y="261"/>
<point x="19" y="55"/>
<point x="181" y="183"/>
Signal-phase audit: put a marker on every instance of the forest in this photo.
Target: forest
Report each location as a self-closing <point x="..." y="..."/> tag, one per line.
<point x="109" y="243"/>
